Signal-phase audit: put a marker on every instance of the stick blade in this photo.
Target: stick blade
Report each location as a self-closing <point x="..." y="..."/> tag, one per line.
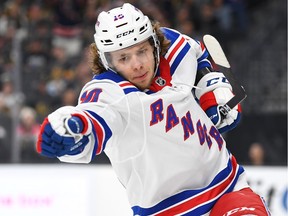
<point x="215" y="51"/>
<point x="218" y="56"/>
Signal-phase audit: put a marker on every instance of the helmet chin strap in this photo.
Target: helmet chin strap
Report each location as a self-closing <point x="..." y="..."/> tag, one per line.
<point x="157" y="61"/>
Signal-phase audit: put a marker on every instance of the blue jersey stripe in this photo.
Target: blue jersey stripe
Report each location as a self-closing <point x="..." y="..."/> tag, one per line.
<point x="190" y="193"/>
<point x="170" y="35"/>
<point x="179" y="57"/>
<point x="110" y="75"/>
<point x="107" y="133"/>
<point x="203" y="65"/>
<point x="173" y="36"/>
<point x="203" y="209"/>
<point x="204" y="56"/>
<point x="131" y="89"/>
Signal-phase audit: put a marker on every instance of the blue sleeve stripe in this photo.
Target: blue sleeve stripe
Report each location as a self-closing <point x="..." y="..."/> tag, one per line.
<point x="170" y="34"/>
<point x="179" y="57"/>
<point x="101" y="131"/>
<point x="204" y="56"/>
<point x="129" y="90"/>
<point x="203" y="64"/>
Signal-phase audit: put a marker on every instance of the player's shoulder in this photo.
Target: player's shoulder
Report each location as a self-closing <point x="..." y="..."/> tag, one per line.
<point x="174" y="36"/>
<point x="179" y="49"/>
<point x="110" y="79"/>
<point x="109" y="76"/>
<point x="106" y="88"/>
<point x="170" y="34"/>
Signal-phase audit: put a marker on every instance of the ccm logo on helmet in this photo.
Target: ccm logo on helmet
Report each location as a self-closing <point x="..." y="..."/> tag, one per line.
<point x="125" y="33"/>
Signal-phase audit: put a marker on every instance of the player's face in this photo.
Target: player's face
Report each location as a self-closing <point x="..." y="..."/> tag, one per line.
<point x="136" y="64"/>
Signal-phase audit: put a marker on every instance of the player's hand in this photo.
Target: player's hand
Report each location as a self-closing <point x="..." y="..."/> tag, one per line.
<point x="64" y="132"/>
<point x="211" y="103"/>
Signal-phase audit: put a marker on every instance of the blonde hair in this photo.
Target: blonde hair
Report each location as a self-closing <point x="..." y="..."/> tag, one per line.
<point x="94" y="58"/>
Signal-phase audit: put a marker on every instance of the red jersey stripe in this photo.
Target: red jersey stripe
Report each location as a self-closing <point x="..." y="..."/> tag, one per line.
<point x="100" y="133"/>
<point x="202" y="46"/>
<point x="125" y="84"/>
<point x="175" y="49"/>
<point x="202" y="198"/>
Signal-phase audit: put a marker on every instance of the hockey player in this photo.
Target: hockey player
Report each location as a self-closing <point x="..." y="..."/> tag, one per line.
<point x="164" y="142"/>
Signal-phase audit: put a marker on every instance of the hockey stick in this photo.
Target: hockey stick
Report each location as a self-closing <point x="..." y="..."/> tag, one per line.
<point x="217" y="54"/>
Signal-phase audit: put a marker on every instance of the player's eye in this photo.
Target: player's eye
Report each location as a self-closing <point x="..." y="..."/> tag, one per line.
<point x="123" y="59"/>
<point x="142" y="51"/>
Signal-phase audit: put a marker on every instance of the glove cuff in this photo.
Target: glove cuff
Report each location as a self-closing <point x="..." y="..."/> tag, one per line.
<point x="208" y="100"/>
<point x="210" y="82"/>
<point x="219" y="96"/>
<point x="84" y="121"/>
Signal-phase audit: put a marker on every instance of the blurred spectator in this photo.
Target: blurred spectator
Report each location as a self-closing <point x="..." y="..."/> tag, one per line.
<point x="69" y="97"/>
<point x="187" y="27"/>
<point x="208" y="20"/>
<point x="88" y="22"/>
<point x="27" y="132"/>
<point x="256" y="154"/>
<point x="56" y="86"/>
<point x="8" y="98"/>
<point x="239" y="12"/>
<point x="26" y="135"/>
<point x="183" y="18"/>
<point x="41" y="100"/>
<point x="3" y="144"/>
<point x="223" y="14"/>
<point x="188" y="19"/>
<point x="154" y="12"/>
<point x="5" y="138"/>
<point x="35" y="69"/>
<point x="14" y="12"/>
<point x="82" y="69"/>
<point x="62" y="74"/>
<point x="216" y="20"/>
<point x="35" y="54"/>
<point x="67" y="27"/>
<point x="194" y="13"/>
<point x="38" y="15"/>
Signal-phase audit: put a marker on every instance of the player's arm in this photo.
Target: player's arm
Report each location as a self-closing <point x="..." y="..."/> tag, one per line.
<point x="213" y="90"/>
<point x="78" y="134"/>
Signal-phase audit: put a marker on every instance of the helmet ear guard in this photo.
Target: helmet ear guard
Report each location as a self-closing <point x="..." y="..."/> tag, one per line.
<point x="120" y="28"/>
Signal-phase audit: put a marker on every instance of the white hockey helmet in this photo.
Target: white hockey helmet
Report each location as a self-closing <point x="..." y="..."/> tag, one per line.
<point x="123" y="27"/>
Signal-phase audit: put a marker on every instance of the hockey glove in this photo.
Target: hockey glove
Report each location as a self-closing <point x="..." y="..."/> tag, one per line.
<point x="61" y="135"/>
<point x="211" y="103"/>
<point x="213" y="92"/>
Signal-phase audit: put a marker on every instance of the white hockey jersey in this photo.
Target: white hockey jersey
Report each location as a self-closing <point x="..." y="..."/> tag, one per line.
<point x="164" y="149"/>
